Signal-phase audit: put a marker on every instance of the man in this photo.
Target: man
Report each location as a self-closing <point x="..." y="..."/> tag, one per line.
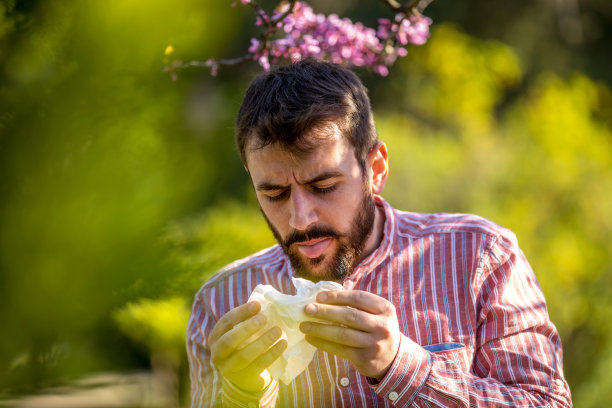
<point x="436" y="310"/>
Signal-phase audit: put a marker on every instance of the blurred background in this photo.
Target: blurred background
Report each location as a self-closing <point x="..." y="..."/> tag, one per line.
<point x="121" y="192"/>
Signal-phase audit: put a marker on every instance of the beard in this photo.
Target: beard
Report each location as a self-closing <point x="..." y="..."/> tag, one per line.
<point x="350" y="245"/>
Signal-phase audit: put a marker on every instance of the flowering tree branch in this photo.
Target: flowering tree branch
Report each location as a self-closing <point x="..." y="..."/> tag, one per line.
<point x="292" y="31"/>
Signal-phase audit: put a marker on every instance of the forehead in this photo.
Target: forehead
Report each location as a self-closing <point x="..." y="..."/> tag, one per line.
<point x="273" y="163"/>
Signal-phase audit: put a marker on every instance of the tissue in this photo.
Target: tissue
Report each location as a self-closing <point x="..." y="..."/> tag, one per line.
<point x="287" y="312"/>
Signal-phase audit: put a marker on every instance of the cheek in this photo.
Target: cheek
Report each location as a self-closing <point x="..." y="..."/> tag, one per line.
<point x="275" y="216"/>
<point x="340" y="214"/>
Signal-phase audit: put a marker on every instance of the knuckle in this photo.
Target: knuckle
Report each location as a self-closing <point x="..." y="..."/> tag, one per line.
<point x="240" y="360"/>
<point x="273" y="334"/>
<point x="345" y="336"/>
<point x="385" y="330"/>
<point x="378" y="348"/>
<point x="257" y="321"/>
<point x="272" y="354"/>
<point x="278" y="349"/>
<point x="218" y="347"/>
<point x="215" y="358"/>
<point x="389" y="309"/>
<point x="352" y="316"/>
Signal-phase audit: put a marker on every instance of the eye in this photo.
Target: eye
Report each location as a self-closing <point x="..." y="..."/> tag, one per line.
<point x="277" y="195"/>
<point x="323" y="189"/>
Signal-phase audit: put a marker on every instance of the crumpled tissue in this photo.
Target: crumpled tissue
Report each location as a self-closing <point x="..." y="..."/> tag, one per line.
<point x="287" y="312"/>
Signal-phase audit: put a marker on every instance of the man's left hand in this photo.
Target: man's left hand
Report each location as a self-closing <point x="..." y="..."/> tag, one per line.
<point x="358" y="326"/>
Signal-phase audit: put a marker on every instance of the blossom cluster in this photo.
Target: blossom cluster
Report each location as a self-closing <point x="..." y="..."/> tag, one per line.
<point x="306" y="34"/>
<point x="294" y="32"/>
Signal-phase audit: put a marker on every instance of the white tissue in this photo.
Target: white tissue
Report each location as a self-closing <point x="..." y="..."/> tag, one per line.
<point x="287" y="312"/>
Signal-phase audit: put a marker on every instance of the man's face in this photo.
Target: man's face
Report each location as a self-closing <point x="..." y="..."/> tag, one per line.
<point x="318" y="205"/>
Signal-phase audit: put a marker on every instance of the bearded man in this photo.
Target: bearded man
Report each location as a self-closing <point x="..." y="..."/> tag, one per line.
<point x="436" y="310"/>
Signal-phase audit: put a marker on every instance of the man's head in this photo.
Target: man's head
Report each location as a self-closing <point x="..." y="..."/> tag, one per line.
<point x="283" y="106"/>
<point x="307" y="139"/>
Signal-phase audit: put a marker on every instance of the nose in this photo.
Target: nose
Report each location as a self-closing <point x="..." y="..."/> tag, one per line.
<point x="303" y="212"/>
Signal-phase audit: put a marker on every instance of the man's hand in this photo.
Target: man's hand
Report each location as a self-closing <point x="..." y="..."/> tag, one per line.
<point x="241" y="359"/>
<point x="359" y="326"/>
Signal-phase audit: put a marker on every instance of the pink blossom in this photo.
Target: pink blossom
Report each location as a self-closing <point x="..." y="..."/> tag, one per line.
<point x="243" y="2"/>
<point x="384" y="28"/>
<point x="255" y="44"/>
<point x="303" y="33"/>
<point x="264" y="62"/>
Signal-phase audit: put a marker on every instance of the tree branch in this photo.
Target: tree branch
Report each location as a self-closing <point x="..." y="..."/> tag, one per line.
<point x="396" y="7"/>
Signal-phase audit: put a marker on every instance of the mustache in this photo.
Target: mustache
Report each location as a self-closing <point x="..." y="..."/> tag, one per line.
<point x="316" y="232"/>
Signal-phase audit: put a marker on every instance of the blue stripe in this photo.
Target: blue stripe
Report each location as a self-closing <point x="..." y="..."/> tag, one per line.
<point x="239" y="287"/>
<point x="423" y="289"/>
<point x="443" y="277"/>
<point x="402" y="304"/>
<point x="443" y="346"/>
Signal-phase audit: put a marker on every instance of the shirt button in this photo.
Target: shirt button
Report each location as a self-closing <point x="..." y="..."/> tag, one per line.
<point x="344" y="381"/>
<point x="393" y="396"/>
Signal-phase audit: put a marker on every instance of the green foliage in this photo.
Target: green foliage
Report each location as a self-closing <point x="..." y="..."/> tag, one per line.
<point x="472" y="74"/>
<point x="542" y="167"/>
<point x="202" y="244"/>
<point x="157" y="324"/>
<point x="94" y="163"/>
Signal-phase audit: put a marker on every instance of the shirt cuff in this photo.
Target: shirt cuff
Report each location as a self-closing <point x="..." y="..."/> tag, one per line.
<point x="406" y="376"/>
<point x="238" y="398"/>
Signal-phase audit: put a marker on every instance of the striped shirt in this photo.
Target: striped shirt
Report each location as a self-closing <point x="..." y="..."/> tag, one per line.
<point x="475" y="329"/>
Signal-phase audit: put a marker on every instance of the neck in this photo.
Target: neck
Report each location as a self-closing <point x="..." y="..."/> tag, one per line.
<point x="376" y="235"/>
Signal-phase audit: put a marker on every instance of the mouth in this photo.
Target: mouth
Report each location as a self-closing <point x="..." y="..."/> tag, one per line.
<point x="313" y="248"/>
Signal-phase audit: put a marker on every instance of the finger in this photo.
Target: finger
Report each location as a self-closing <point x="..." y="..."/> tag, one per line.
<point x="265" y="360"/>
<point x="233" y="339"/>
<point x="333" y="348"/>
<point x="232" y="318"/>
<point x="344" y="315"/>
<point x="336" y="334"/>
<point x="246" y="356"/>
<point x="359" y="299"/>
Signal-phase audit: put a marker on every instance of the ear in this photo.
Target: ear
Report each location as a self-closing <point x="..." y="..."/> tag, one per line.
<point x="378" y="167"/>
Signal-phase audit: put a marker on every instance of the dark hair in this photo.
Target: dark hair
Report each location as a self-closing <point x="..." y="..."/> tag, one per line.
<point x="283" y="105"/>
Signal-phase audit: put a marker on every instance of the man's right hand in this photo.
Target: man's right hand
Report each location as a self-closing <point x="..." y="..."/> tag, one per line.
<point x="240" y="359"/>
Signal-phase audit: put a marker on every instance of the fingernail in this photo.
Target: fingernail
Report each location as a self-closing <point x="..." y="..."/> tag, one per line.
<point x="305" y="327"/>
<point x="254" y="307"/>
<point x="322" y="297"/>
<point x="276" y="332"/>
<point x="311" y="308"/>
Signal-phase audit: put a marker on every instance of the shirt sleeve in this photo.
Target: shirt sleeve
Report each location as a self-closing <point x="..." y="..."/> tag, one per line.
<point x="517" y="356"/>
<point x="208" y="388"/>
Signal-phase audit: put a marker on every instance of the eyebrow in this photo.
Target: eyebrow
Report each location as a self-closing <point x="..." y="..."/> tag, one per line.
<point x="266" y="186"/>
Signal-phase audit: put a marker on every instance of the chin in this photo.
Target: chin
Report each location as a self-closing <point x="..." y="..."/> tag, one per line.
<point x="313" y="269"/>
<point x="331" y="266"/>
